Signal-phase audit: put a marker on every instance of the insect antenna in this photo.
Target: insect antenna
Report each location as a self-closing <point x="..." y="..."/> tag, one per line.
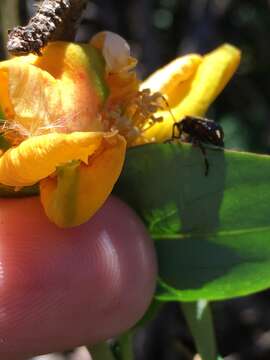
<point x="168" y="107"/>
<point x="176" y="124"/>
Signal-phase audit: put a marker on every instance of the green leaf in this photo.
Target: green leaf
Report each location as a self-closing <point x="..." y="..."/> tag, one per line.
<point x="212" y="232"/>
<point x="199" y="319"/>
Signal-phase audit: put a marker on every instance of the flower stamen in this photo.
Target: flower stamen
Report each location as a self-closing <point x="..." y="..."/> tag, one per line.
<point x="136" y="116"/>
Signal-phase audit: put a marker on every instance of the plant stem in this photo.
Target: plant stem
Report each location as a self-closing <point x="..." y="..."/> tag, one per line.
<point x="126" y="345"/>
<point x="101" y="351"/>
<point x="199" y="318"/>
<point x="54" y="20"/>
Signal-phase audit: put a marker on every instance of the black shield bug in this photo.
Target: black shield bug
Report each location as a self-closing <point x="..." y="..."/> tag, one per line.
<point x="199" y="131"/>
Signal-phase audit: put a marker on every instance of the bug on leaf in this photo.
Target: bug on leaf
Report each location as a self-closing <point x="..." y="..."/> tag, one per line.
<point x="199" y="131"/>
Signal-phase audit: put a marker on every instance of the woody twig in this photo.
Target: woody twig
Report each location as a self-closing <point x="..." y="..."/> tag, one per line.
<point x="54" y="20"/>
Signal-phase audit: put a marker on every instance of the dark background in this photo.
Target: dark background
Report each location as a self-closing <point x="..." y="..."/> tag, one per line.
<point x="158" y="31"/>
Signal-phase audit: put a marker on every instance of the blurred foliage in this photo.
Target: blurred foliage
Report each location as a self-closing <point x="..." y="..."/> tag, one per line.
<point x="9" y="17"/>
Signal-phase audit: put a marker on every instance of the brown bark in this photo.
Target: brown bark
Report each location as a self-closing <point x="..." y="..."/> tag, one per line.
<point x="54" y="20"/>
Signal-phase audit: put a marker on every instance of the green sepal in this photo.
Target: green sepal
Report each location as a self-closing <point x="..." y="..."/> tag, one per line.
<point x="63" y="202"/>
<point x="96" y="69"/>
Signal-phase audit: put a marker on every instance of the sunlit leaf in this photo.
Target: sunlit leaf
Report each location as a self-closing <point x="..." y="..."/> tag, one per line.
<point x="212" y="232"/>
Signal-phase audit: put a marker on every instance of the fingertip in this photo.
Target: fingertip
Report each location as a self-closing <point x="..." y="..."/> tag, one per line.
<point x="82" y="285"/>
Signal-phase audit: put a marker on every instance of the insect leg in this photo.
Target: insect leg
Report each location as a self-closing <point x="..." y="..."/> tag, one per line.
<point x="175" y="129"/>
<point x="175" y="133"/>
<point x="206" y="162"/>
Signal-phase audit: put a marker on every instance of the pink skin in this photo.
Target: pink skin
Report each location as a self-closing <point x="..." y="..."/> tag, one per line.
<point x="64" y="288"/>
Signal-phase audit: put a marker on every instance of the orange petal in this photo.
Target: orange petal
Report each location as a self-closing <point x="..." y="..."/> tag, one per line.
<point x="66" y="85"/>
<point x="34" y="95"/>
<point x="79" y="190"/>
<point x="80" y="64"/>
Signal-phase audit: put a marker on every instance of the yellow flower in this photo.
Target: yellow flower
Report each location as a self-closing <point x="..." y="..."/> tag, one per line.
<point x="52" y="106"/>
<point x="69" y="114"/>
<point x="190" y="84"/>
<point x="145" y="112"/>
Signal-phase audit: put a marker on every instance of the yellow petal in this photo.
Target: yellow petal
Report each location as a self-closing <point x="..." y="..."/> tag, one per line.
<point x="167" y="79"/>
<point x="200" y="90"/>
<point x="5" y="103"/>
<point x="79" y="190"/>
<point x="213" y="74"/>
<point x="38" y="157"/>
